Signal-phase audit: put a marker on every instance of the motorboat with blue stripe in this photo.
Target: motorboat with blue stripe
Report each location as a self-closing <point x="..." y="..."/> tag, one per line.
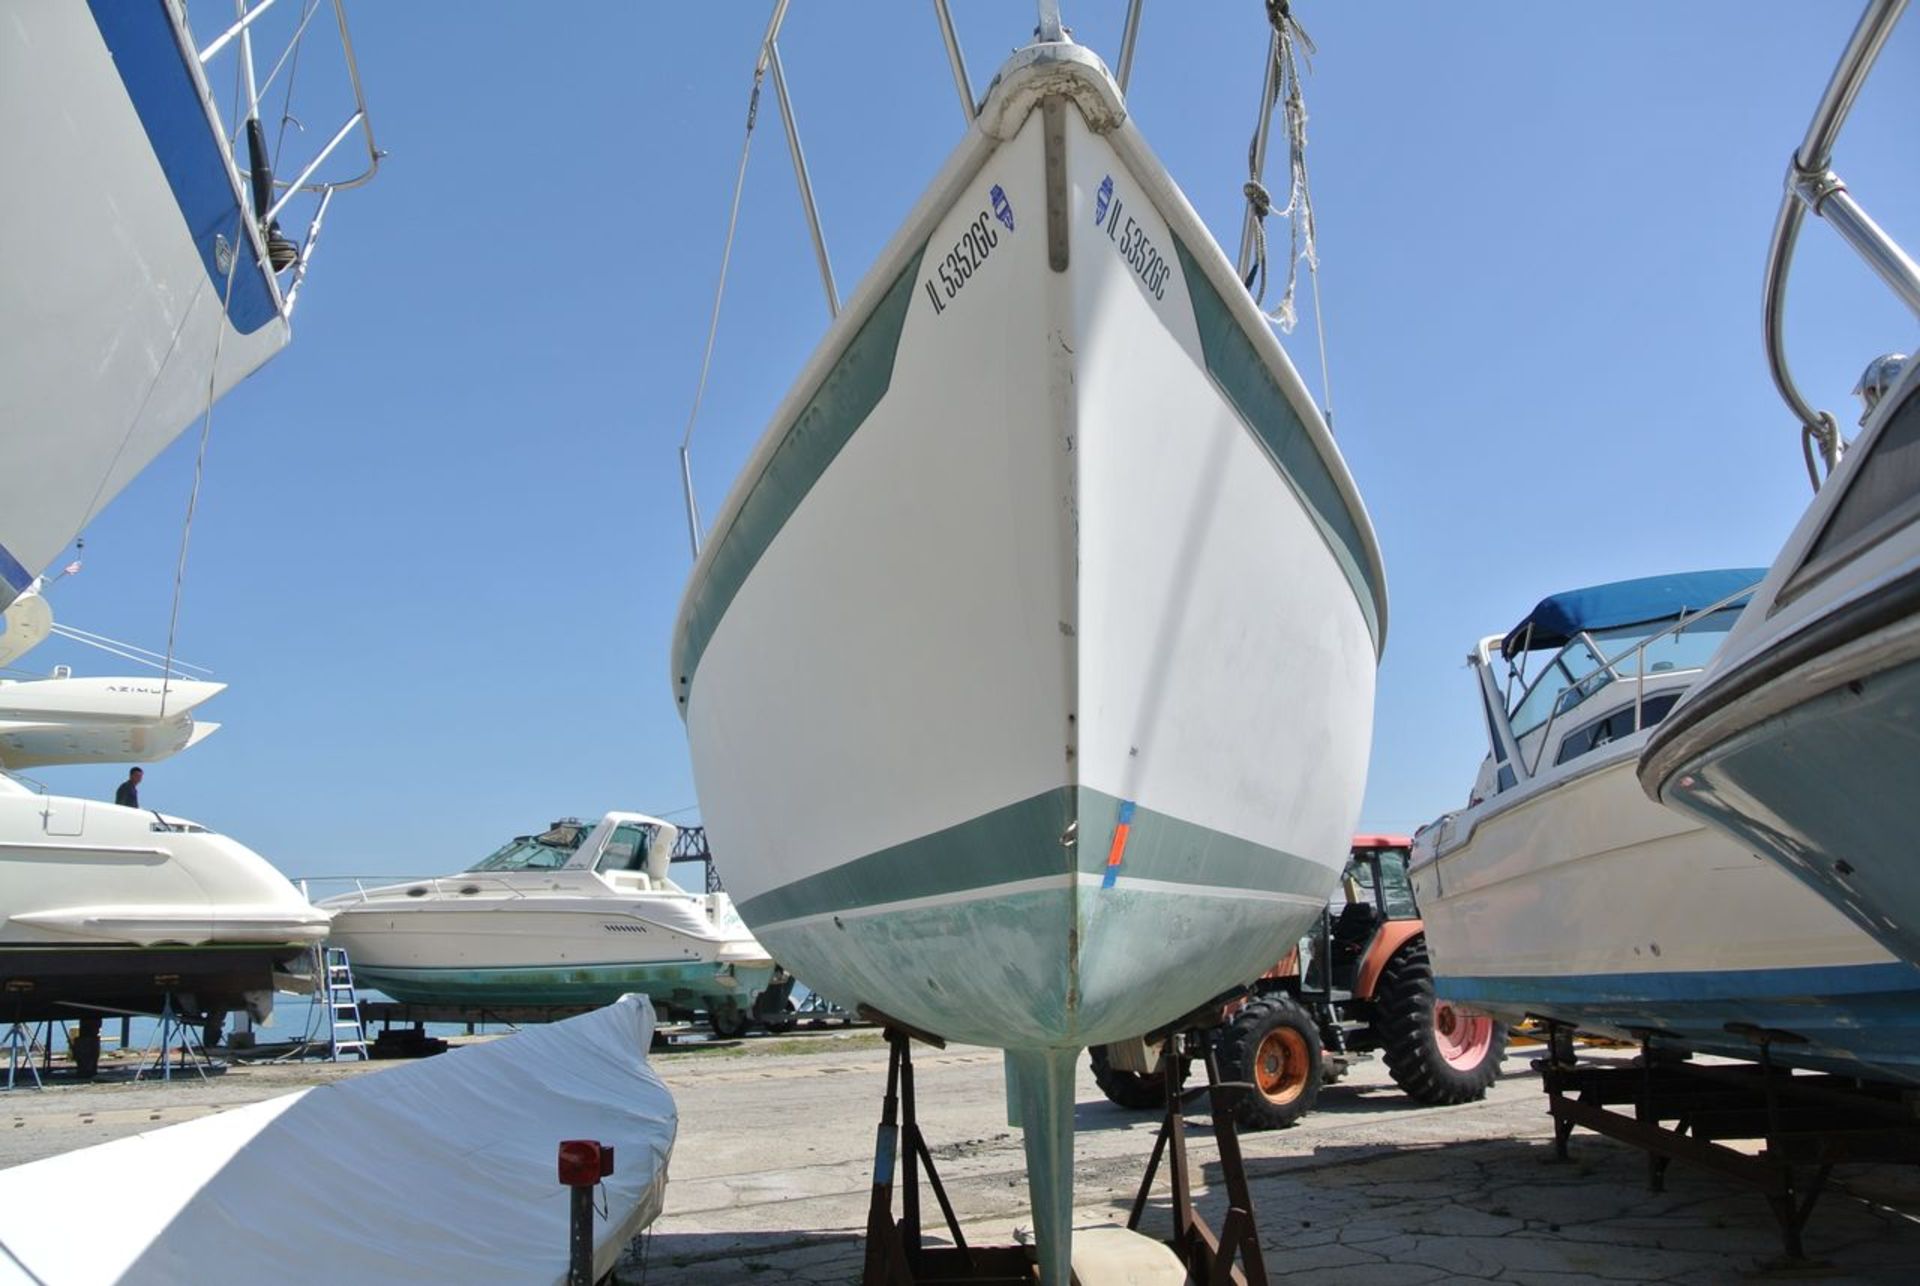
<point x="579" y="914"/>
<point x="1802" y="741"/>
<point x="1561" y="892"/>
<point x="149" y="268"/>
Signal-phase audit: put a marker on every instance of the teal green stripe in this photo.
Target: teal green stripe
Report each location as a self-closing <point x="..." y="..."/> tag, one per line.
<point x="829" y="420"/>
<point x="1243" y="375"/>
<point x="1024" y="841"/>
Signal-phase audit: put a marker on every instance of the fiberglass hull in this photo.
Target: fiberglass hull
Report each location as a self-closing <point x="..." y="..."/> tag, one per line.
<point x="1587" y="904"/>
<point x="1803" y="739"/>
<point x="1028" y="675"/>
<point x="133" y="292"/>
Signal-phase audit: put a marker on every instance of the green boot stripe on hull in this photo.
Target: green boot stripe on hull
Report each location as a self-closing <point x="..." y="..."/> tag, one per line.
<point x="1027" y="841"/>
<point x="837" y="409"/>
<point x="1265" y="409"/>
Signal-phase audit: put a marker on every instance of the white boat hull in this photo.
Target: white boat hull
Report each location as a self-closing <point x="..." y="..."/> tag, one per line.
<point x="121" y="320"/>
<point x="1802" y="741"/>
<point x="1028" y="673"/>
<point x="100" y="720"/>
<point x="1015" y="570"/>
<point x="117" y="907"/>
<point x="1587" y="904"/>
<point x="546" y="948"/>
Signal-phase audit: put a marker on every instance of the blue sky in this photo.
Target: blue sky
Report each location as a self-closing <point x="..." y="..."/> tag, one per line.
<point x="440" y="544"/>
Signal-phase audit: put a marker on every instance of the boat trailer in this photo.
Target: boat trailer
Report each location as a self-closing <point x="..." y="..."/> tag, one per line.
<point x="1806" y="1122"/>
<point x="896" y="1252"/>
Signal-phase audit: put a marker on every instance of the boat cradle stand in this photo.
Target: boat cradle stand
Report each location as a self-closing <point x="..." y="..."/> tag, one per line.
<point x="1808" y="1122"/>
<point x="1209" y="1257"/>
<point x="896" y="1254"/>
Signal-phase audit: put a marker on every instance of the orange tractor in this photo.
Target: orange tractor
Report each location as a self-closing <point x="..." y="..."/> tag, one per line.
<point x="1359" y="982"/>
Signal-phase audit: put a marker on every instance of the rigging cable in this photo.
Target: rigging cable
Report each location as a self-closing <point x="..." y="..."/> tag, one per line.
<point x="200" y="456"/>
<point x="1289" y="38"/>
<point x="719" y="293"/>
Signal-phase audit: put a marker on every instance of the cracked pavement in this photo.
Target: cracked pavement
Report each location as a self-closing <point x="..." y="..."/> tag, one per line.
<point x="773" y="1170"/>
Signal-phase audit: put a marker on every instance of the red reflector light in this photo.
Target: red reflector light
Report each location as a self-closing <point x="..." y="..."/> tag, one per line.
<point x="580" y="1163"/>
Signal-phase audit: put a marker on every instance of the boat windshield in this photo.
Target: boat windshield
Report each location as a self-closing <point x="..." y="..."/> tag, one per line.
<point x="1599" y="657"/>
<point x="546" y="852"/>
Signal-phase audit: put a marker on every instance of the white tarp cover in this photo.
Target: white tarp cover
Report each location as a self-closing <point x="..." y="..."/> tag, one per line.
<point x="443" y="1170"/>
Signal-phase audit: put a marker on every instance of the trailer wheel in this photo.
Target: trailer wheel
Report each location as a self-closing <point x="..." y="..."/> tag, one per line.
<point x="1273" y="1044"/>
<point x="726" y="1018"/>
<point x="1136" y="1091"/>
<point x="1438" y="1052"/>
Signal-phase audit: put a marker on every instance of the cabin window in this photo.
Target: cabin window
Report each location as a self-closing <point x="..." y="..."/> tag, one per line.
<point x="627" y="850"/>
<point x="545" y="852"/>
<point x="1612" y="727"/>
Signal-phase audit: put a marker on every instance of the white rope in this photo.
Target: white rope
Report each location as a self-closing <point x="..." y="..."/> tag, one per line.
<point x="1303" y="235"/>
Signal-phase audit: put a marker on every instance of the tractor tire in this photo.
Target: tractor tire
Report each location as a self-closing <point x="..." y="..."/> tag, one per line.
<point x="1136" y="1091"/>
<point x="1274" y="1045"/>
<point x="1437" y="1052"/>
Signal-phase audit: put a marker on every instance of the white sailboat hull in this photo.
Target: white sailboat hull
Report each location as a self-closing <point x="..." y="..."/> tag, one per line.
<point x="1585" y="903"/>
<point x="121" y="211"/>
<point x="1029" y="673"/>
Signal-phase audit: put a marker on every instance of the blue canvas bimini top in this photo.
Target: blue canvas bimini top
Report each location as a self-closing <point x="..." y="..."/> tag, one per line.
<point x="1556" y="619"/>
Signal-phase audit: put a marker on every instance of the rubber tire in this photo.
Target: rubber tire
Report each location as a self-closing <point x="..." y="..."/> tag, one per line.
<point x="781" y="1020"/>
<point x="1135" y="1091"/>
<point x="1239" y="1045"/>
<point x="727" y="1019"/>
<point x="1403" y="1002"/>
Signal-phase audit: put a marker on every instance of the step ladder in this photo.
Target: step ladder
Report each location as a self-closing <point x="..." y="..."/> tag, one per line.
<point x="346" y="1034"/>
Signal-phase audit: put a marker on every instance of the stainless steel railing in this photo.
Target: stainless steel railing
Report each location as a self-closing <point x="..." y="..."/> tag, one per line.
<point x="1811" y="185"/>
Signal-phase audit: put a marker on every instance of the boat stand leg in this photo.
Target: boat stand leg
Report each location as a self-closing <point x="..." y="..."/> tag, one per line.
<point x="895" y="1253"/>
<point x="1234" y="1255"/>
<point x="886" y="1259"/>
<point x="1238" y="1234"/>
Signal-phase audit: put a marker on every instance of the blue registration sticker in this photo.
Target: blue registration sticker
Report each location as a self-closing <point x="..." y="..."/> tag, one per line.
<point x="1002" y="208"/>
<point x="1100" y="199"/>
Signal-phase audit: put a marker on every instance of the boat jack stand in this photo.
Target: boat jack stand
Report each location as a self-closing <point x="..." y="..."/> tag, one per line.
<point x="1209" y="1258"/>
<point x="173" y="1025"/>
<point x="896" y="1255"/>
<point x="21" y="1047"/>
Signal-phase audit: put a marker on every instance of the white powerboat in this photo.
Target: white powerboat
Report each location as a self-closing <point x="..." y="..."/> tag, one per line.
<point x="1802" y="741"/>
<point x="147" y="273"/>
<point x="1562" y="892"/>
<point x="1028" y="673"/>
<point x="125" y="908"/>
<point x="577" y="915"/>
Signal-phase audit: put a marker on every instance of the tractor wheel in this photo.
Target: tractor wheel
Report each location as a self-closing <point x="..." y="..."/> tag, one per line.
<point x="1274" y="1045"/>
<point x="1136" y="1091"/>
<point x="1438" y="1052"/>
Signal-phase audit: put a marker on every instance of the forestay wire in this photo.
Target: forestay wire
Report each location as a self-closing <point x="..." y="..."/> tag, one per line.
<point x="1290" y="38"/>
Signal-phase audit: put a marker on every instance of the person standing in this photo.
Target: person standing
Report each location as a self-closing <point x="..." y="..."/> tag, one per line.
<point x="128" y="796"/>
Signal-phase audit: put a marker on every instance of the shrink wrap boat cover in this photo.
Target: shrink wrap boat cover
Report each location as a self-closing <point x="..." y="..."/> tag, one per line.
<point x="443" y="1170"/>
